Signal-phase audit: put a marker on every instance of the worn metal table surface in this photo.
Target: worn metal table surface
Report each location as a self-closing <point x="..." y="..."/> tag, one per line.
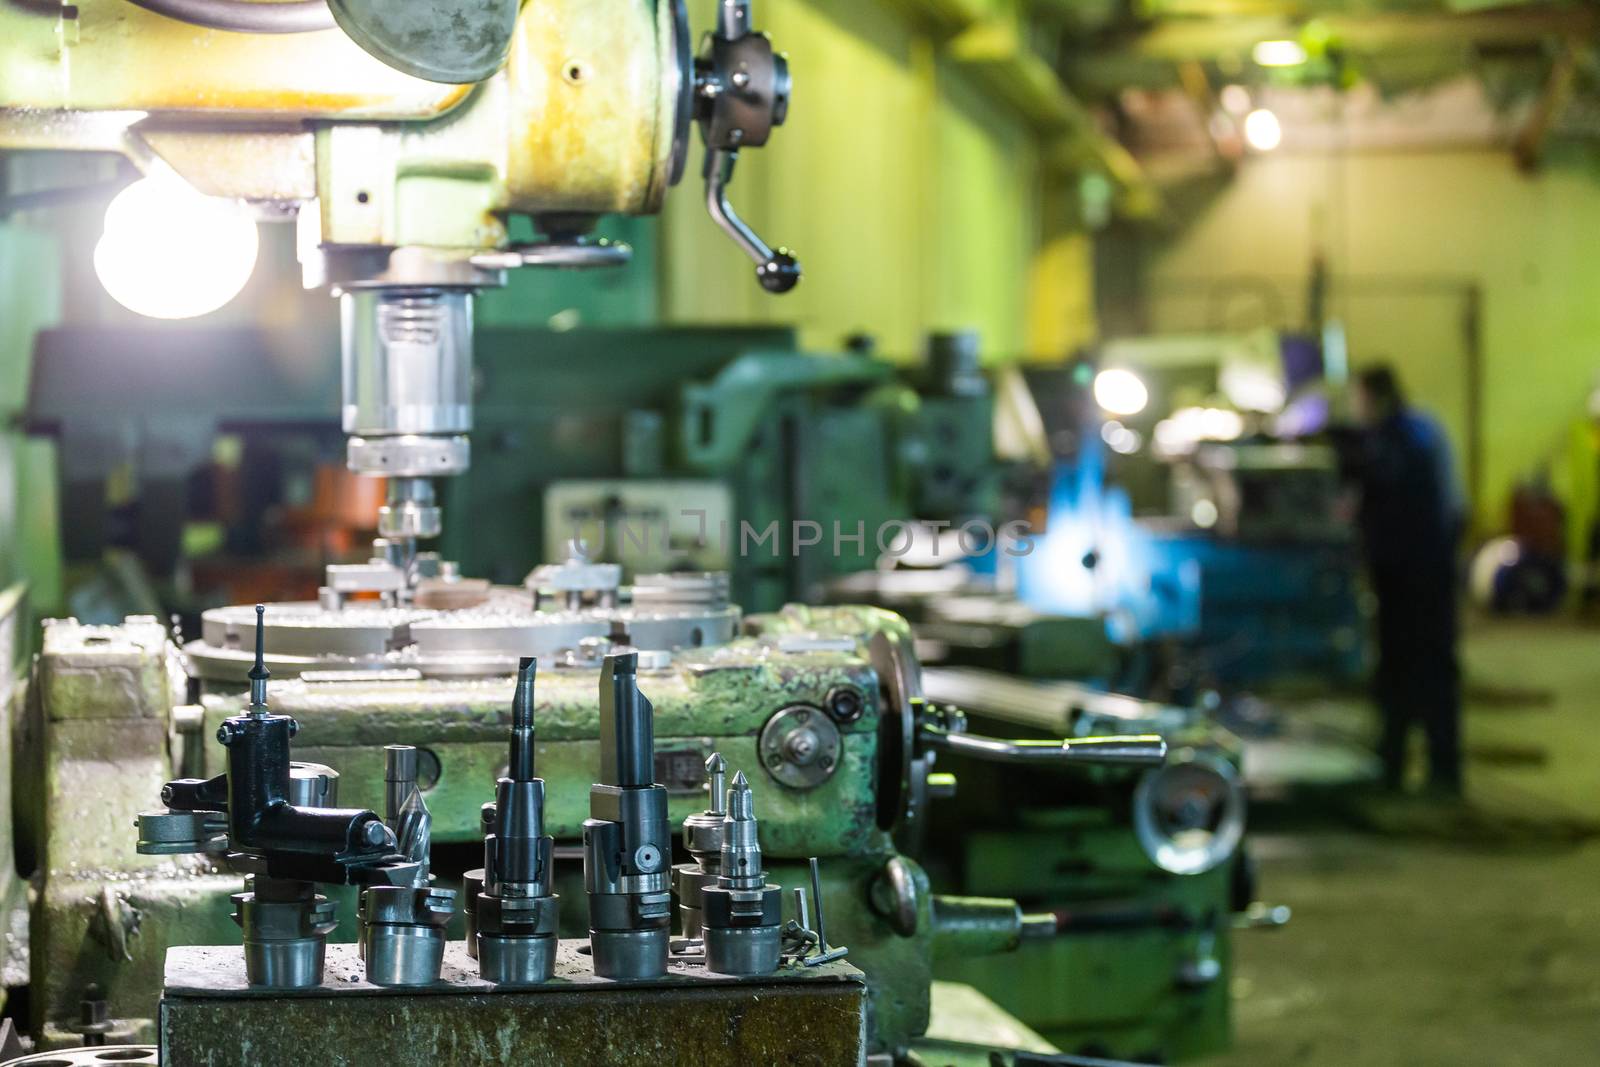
<point x="211" y="1017"/>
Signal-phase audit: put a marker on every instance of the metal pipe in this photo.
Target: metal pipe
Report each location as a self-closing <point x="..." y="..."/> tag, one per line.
<point x="243" y="16"/>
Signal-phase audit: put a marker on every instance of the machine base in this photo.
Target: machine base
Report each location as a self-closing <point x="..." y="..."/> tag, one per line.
<point x="798" y="1015"/>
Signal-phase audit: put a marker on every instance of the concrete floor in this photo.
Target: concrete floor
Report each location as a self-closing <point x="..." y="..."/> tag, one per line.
<point x="1429" y="935"/>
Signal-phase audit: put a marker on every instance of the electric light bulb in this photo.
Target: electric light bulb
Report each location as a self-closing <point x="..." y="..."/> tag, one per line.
<point x="170" y="252"/>
<point x="1120" y="391"/>
<point x="1262" y="130"/>
<point x="1278" y="54"/>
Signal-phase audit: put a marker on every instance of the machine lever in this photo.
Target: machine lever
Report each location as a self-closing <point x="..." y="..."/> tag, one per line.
<point x="741" y="93"/>
<point x="777" y="271"/>
<point x="1137" y="750"/>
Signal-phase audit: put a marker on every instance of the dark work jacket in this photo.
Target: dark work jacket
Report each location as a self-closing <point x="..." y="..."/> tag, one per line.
<point x="1411" y="511"/>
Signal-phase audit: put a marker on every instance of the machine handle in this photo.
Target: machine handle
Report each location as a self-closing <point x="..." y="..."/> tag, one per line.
<point x="777" y="270"/>
<point x="1136" y="750"/>
<point x="741" y="93"/>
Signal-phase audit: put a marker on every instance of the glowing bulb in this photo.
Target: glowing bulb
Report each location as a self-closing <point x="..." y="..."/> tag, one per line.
<point x="1262" y="131"/>
<point x="1120" y="391"/>
<point x="1278" y="54"/>
<point x="1235" y="99"/>
<point x="171" y="253"/>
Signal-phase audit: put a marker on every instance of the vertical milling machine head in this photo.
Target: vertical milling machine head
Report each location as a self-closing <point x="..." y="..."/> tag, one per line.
<point x="627" y="840"/>
<point x="402" y="140"/>
<point x="516" y="909"/>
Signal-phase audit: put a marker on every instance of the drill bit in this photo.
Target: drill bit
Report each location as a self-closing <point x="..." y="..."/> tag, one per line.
<point x="521" y="766"/>
<point x="259" y="673"/>
<point x="519" y="799"/>
<point x="741" y="851"/>
<point x="515" y="910"/>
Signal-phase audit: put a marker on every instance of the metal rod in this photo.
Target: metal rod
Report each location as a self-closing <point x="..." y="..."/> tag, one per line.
<point x="816" y="896"/>
<point x="1136" y="750"/>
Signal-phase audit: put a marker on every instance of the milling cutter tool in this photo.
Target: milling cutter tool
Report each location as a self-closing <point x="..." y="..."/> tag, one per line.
<point x="275" y="821"/>
<point x="402" y="926"/>
<point x="702" y="836"/>
<point x="516" y="911"/>
<point x="627" y="840"/>
<point x="742" y="914"/>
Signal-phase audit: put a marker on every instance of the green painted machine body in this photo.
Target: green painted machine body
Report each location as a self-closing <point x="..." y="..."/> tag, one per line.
<point x="106" y="725"/>
<point x="1144" y="978"/>
<point x="714" y="700"/>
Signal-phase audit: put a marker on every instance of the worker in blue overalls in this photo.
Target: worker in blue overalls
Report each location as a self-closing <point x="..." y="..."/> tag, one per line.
<point x="1411" y="523"/>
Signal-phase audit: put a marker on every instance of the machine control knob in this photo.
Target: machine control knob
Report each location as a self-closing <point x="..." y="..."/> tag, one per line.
<point x="741" y="93"/>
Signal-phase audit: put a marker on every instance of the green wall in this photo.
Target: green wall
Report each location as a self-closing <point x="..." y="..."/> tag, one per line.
<point x="1406" y="235"/>
<point x="31" y="300"/>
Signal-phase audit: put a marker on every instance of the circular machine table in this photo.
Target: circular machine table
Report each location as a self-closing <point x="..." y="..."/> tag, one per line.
<point x="480" y="641"/>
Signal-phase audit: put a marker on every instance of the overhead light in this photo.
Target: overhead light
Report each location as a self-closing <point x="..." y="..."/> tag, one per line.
<point x="1235" y="99"/>
<point x="1278" y="53"/>
<point x="1262" y="130"/>
<point x="170" y="252"/>
<point x="1120" y="391"/>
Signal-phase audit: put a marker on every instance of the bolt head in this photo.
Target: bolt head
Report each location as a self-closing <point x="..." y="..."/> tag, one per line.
<point x="801" y="746"/>
<point x="845" y="704"/>
<point x="224" y="734"/>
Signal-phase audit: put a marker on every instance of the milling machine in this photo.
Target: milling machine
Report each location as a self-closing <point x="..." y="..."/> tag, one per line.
<point x="401" y="187"/>
<point x="823" y="701"/>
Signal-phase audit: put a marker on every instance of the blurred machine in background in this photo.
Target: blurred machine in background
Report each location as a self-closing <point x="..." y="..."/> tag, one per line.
<point x="704" y="450"/>
<point x="1189" y="508"/>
